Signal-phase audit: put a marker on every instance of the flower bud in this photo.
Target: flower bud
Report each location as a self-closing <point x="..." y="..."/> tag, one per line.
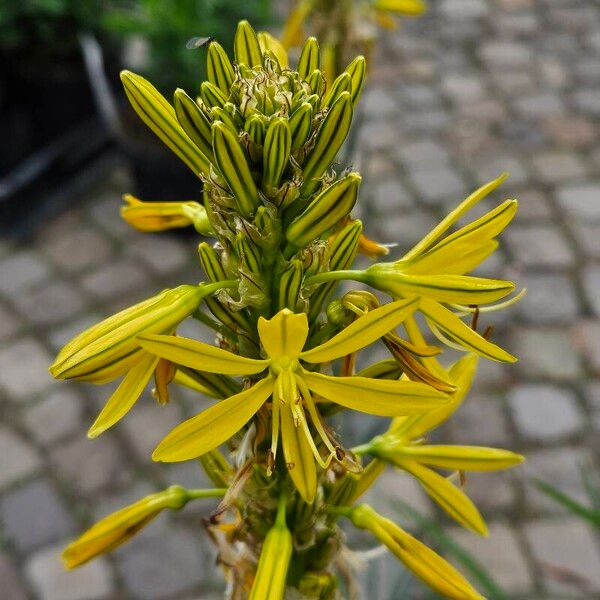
<point x="290" y="284"/>
<point x="343" y="83"/>
<point x="309" y="58"/>
<point x="276" y="153"/>
<point x="357" y="70"/>
<point x="219" y="68"/>
<point x="211" y="95"/>
<point x="110" y="348"/>
<point x="246" y="46"/>
<point x="194" y="122"/>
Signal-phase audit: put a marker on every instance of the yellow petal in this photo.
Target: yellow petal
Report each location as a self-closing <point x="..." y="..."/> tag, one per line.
<point x="463" y="458"/>
<point x="461" y="374"/>
<point x="119" y="527"/>
<point x="443" y="288"/>
<point x="213" y="426"/>
<point x="158" y="216"/>
<point x="429" y="240"/>
<point x="461" y="333"/>
<point x="402" y="7"/>
<point x="271" y="574"/>
<point x="453" y="500"/>
<point x="125" y="396"/>
<point x="381" y="397"/>
<point x="298" y="456"/>
<point x="362" y="332"/>
<point x="284" y="335"/>
<point x="201" y="356"/>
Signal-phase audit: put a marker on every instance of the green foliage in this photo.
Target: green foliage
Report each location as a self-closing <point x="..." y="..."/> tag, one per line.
<point x="166" y="26"/>
<point x="46" y="27"/>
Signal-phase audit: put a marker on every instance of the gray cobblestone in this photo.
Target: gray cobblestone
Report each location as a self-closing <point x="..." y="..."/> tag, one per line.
<point x="389" y="195"/>
<point x="52" y="303"/>
<point x="162" y="254"/>
<point x="439" y="185"/>
<point x="24" y="368"/>
<point x="545" y="413"/>
<point x="51" y="581"/>
<point x="34" y="516"/>
<point x="9" y="323"/>
<point x="591" y="284"/>
<point x="539" y="246"/>
<point x="557" y="167"/>
<point x="18" y="459"/>
<point x="546" y="353"/>
<point x="56" y="416"/>
<point x="550" y="299"/>
<point x="539" y="106"/>
<point x="580" y="200"/>
<point x="114" y="280"/>
<point x="20" y="272"/>
<point x="11" y="586"/>
<point x="566" y="545"/>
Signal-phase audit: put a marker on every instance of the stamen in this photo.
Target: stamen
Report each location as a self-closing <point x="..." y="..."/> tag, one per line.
<point x="445" y="340"/>
<point x="492" y="307"/>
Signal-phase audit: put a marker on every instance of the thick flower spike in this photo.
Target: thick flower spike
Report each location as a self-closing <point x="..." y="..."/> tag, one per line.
<point x="263" y="139"/>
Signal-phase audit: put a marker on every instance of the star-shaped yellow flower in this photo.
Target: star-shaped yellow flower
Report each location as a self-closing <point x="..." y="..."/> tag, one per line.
<point x="292" y="386"/>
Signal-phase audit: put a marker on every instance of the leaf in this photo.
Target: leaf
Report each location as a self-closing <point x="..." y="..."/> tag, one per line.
<point x="363" y="331"/>
<point x="458" y="331"/>
<point x="381" y="397"/>
<point x="453" y="500"/>
<point x="573" y="506"/>
<point x="215" y="425"/>
<point x="125" y="396"/>
<point x="298" y="456"/>
<point x="200" y="356"/>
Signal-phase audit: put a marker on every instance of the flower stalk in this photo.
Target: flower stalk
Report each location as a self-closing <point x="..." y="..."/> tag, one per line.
<point x="262" y="138"/>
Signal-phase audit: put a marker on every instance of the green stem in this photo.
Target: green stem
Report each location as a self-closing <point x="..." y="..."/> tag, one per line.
<point x="362" y="449"/>
<point x="211" y="288"/>
<point x="337" y="276"/>
<point x="212" y="493"/>
<point x="340" y="511"/>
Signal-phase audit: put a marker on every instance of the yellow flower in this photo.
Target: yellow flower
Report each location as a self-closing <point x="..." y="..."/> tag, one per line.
<point x="118" y="528"/>
<point x="110" y="349"/>
<point x="401" y="7"/>
<point x="428" y="566"/>
<point x="269" y="582"/>
<point x="283" y="338"/>
<point x="158" y="216"/>
<point x="403" y="446"/>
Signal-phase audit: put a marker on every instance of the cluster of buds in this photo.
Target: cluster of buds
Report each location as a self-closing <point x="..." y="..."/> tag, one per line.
<point x="262" y="139"/>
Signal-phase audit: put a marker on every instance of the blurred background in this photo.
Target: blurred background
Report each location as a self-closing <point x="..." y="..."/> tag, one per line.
<point x="454" y="97"/>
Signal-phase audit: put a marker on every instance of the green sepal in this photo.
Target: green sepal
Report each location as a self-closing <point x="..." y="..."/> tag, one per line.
<point x="211" y="95"/>
<point x="246" y="46"/>
<point x="343" y="83"/>
<point x="255" y="128"/>
<point x="316" y="82"/>
<point x="290" y="284"/>
<point x="310" y="58"/>
<point x="329" y="140"/>
<point x="326" y="210"/>
<point x="211" y="263"/>
<point x="248" y="253"/>
<point x="357" y="70"/>
<point x="219" y="69"/>
<point x="301" y="125"/>
<point x="276" y="153"/>
<point x="193" y="121"/>
<point x="160" y="116"/>
<point x="234" y="168"/>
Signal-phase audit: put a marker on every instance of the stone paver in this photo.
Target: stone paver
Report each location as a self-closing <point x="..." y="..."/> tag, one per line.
<point x="51" y="581"/>
<point x="470" y="90"/>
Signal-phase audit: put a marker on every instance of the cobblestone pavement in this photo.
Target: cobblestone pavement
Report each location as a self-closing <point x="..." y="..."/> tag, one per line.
<point x="472" y="89"/>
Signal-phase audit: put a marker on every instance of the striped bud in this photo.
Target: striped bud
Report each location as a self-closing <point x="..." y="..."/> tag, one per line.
<point x="255" y="128"/>
<point x="271" y="574"/>
<point x="194" y="122"/>
<point x="329" y="140"/>
<point x="316" y="82"/>
<point x="342" y="252"/>
<point x="246" y="46"/>
<point x="290" y="285"/>
<point x="234" y="168"/>
<point x="219" y="68"/>
<point x="159" y="115"/>
<point x="301" y="125"/>
<point x="211" y="264"/>
<point x="310" y="59"/>
<point x="211" y="95"/>
<point x="110" y="348"/>
<point x="220" y="114"/>
<point x="276" y="153"/>
<point x="357" y="70"/>
<point x="235" y="320"/>
<point x="325" y="211"/>
<point x="270" y="44"/>
<point x="248" y="253"/>
<point x="343" y="83"/>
